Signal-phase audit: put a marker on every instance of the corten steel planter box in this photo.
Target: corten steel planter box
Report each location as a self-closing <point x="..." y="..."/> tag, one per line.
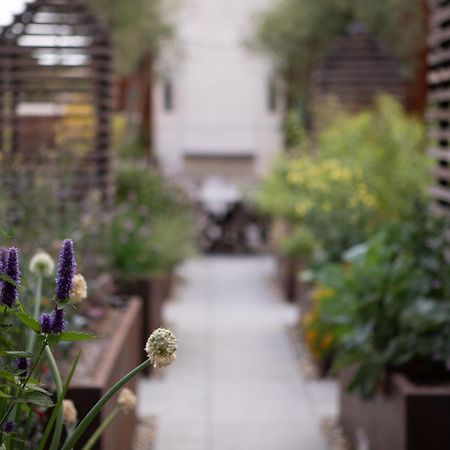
<point x="409" y="417"/>
<point x="288" y="269"/>
<point x="151" y="292"/>
<point x="167" y="281"/>
<point x="304" y="292"/>
<point x="123" y="353"/>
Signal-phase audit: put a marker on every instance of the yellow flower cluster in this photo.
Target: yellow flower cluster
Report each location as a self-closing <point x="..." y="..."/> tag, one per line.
<point x="321" y="292"/>
<point x="326" y="185"/>
<point x="318" y="342"/>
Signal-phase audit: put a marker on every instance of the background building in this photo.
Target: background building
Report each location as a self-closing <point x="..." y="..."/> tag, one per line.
<point x="217" y="111"/>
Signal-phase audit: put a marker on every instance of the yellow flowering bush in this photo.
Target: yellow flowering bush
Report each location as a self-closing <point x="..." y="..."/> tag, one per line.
<point x="320" y="341"/>
<point x="365" y="168"/>
<point x="325" y="197"/>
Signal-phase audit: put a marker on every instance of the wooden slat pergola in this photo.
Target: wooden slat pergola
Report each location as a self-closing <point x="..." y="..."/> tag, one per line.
<point x="355" y="69"/>
<point x="438" y="114"/>
<point x="56" y="93"/>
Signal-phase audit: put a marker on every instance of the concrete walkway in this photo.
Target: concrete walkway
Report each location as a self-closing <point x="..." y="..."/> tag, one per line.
<point x="236" y="384"/>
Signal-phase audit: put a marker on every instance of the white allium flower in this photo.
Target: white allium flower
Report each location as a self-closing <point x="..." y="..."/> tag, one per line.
<point x="42" y="264"/>
<point x="126" y="399"/>
<point x="79" y="288"/>
<point x="161" y="347"/>
<point x="69" y="412"/>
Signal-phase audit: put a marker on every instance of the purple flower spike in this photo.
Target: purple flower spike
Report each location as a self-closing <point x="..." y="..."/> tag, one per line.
<point x="10" y="291"/>
<point x="58" y="322"/>
<point x="22" y="364"/>
<point x="46" y="323"/>
<point x="66" y="271"/>
<point x="9" y="426"/>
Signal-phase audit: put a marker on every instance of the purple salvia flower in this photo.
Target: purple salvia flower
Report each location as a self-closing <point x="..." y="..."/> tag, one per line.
<point x="58" y="322"/>
<point x="10" y="291"/>
<point x="9" y="426"/>
<point x="66" y="271"/>
<point x="46" y="323"/>
<point x="22" y="364"/>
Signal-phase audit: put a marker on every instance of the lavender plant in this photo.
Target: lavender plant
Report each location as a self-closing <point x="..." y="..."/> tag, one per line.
<point x="29" y="417"/>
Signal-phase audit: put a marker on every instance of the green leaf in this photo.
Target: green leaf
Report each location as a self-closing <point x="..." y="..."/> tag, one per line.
<point x="8" y="279"/>
<point x="28" y="321"/>
<point x="16" y="354"/>
<point x="36" y="398"/>
<point x="37" y="388"/>
<point x="7" y="375"/>
<point x="74" y="336"/>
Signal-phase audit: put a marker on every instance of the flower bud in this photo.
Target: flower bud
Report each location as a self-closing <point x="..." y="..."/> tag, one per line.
<point x="42" y="264"/>
<point x="79" y="288"/>
<point x="126" y="400"/>
<point x="70" y="414"/>
<point x="161" y="347"/>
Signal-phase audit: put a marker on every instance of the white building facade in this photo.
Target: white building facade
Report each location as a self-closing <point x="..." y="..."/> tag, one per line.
<point x="217" y="111"/>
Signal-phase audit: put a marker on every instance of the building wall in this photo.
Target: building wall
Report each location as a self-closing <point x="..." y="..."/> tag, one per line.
<point x="220" y="91"/>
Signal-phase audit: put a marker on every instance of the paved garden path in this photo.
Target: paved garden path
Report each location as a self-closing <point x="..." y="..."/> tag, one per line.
<point x="236" y="384"/>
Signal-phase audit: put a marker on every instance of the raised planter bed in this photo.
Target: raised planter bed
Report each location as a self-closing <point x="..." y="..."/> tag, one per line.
<point x="303" y="291"/>
<point x="103" y="362"/>
<point x="288" y="269"/>
<point x="151" y="291"/>
<point x="408" y="417"/>
<point x="167" y="281"/>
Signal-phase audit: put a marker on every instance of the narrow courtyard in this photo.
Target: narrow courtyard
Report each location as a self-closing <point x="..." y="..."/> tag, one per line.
<point x="237" y="383"/>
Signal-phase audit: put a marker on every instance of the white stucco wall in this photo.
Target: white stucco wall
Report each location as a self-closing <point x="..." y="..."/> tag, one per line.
<point x="220" y="89"/>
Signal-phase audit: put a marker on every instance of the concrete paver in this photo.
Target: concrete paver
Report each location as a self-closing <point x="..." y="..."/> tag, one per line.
<point x="236" y="384"/>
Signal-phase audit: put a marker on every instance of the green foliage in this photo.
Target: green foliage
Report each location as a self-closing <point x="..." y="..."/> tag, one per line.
<point x="30" y="226"/>
<point x="152" y="228"/>
<point x="24" y="398"/>
<point x="294" y="131"/>
<point x="299" y="243"/>
<point x="390" y="305"/>
<point x="387" y="146"/>
<point x="138" y="26"/>
<point x="366" y="168"/>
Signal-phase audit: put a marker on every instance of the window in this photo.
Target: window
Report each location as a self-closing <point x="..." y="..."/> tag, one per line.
<point x="168" y="95"/>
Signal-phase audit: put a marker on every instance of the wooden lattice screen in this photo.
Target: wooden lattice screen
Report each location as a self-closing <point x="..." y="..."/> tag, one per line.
<point x="56" y="99"/>
<point x="438" y="113"/>
<point x="355" y="69"/>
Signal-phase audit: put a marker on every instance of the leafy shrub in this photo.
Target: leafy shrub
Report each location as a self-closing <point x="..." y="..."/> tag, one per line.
<point x="366" y="168"/>
<point x="152" y="228"/>
<point x="390" y="308"/>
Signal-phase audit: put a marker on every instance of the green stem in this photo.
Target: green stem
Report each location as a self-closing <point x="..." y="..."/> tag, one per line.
<point x="81" y="428"/>
<point x="102" y="427"/>
<point x="36" y="312"/>
<point x="59" y="389"/>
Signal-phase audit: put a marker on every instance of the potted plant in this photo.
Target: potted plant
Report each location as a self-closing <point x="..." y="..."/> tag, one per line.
<point x="390" y="316"/>
<point x="30" y="414"/>
<point x="150" y="232"/>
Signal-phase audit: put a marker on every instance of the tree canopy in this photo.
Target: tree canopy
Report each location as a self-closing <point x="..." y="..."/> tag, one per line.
<point x="138" y="26"/>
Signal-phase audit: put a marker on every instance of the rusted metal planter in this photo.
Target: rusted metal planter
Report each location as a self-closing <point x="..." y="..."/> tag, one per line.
<point x="303" y="291"/>
<point x="288" y="269"/>
<point x="151" y="291"/>
<point x="167" y="281"/>
<point x="123" y="353"/>
<point x="409" y="417"/>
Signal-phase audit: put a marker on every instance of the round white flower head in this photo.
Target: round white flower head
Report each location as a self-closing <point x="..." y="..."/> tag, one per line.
<point x="42" y="264"/>
<point x="79" y="288"/>
<point x="161" y="347"/>
<point x="126" y="400"/>
<point x="69" y="412"/>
